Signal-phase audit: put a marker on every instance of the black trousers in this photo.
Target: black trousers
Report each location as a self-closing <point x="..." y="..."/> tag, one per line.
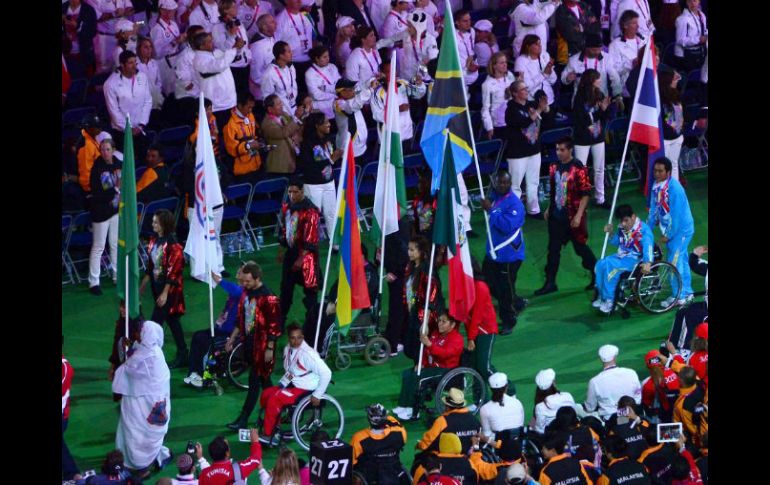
<point x="501" y="279"/>
<point x="241" y="78"/>
<point x="160" y="315"/>
<point x="199" y="346"/>
<point x="256" y="384"/>
<point x="559" y="234"/>
<point x="395" y="330"/>
<point x="291" y="278"/>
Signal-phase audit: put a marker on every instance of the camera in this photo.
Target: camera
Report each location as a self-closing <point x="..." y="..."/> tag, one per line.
<point x="664" y="350"/>
<point x="190" y="448"/>
<point x="232" y="23"/>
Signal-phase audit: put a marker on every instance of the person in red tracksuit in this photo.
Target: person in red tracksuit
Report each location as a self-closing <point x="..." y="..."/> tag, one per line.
<point x="660" y="390"/>
<point x="221" y="471"/>
<point x="699" y="358"/>
<point x="481" y="327"/>
<point x="433" y="474"/>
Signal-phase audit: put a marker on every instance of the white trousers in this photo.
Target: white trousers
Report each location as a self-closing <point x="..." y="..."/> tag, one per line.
<point x="324" y="196"/>
<point x="104" y="46"/>
<point x="597" y="154"/>
<point x="529" y="168"/>
<point x="100" y="232"/>
<point x="218" y="214"/>
<point x="673" y="148"/>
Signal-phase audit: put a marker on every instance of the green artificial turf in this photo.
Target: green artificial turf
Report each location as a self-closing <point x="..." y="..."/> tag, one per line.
<point x="559" y="330"/>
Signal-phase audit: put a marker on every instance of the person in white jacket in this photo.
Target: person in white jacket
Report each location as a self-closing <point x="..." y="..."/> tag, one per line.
<point x="352" y="97"/>
<point x="216" y="81"/>
<point x="225" y="35"/>
<point x="149" y="66"/>
<point x="536" y="68"/>
<point x="165" y="34"/>
<point x="466" y="43"/>
<point x="624" y="50"/>
<point x="531" y="17"/>
<point x="321" y="80"/>
<point x="280" y="78"/>
<point x="249" y="13"/>
<point x="613" y="382"/>
<point x="261" y="53"/>
<point x="108" y="14"/>
<point x="127" y="93"/>
<point x="691" y="32"/>
<point x="593" y="58"/>
<point x="406" y="90"/>
<point x="396" y="21"/>
<point x="305" y="372"/>
<point x="420" y="47"/>
<point x="548" y="400"/>
<point x="495" y="95"/>
<point x="206" y="15"/>
<point x="642" y="9"/>
<point x="364" y="62"/>
<point x="187" y="81"/>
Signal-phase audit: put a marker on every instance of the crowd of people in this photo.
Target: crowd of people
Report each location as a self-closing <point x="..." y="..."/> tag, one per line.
<point x="283" y="84"/>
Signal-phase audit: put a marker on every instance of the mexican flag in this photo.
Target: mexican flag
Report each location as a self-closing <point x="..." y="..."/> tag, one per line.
<point x="449" y="230"/>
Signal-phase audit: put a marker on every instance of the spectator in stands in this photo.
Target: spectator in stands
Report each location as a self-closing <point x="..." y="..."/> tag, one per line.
<point x="691" y="37"/>
<point x="346" y="29"/>
<point x="349" y="117"/>
<point x="280" y="129"/>
<point x="249" y="13"/>
<point x="105" y="193"/>
<point x="376" y="449"/>
<point x="226" y="34"/>
<point x="523" y="119"/>
<point x="673" y="116"/>
<point x="165" y="34"/>
<point x="164" y="273"/>
<point x="612" y="383"/>
<point x="359" y="11"/>
<point x="574" y="21"/>
<point x="441" y="353"/>
<point x="560" y="466"/>
<point x="364" y="62"/>
<point x="298" y="31"/>
<point x="216" y="80"/>
<point x="495" y="95"/>
<point x="127" y="95"/>
<point x="223" y="470"/>
<point x="285" y="472"/>
<point x="88" y="150"/>
<point x="280" y="79"/>
<point x="535" y="67"/>
<point x="691" y="407"/>
<point x="150" y="67"/>
<point x="317" y="157"/>
<point x="108" y="14"/>
<point x="623" y="468"/>
<point x="590" y="116"/>
<point x="642" y="9"/>
<point x="241" y="143"/>
<point x="321" y="80"/>
<point x="684" y="471"/>
<point x="261" y="53"/>
<point x="567" y="214"/>
<point x="548" y="400"/>
<point x="79" y="19"/>
<point x="206" y="15"/>
<point x="466" y="44"/>
<point x="457" y="419"/>
<point x="592" y="57"/>
<point x="530" y="17"/>
<point x="624" y="50"/>
<point x="503" y="415"/>
<point x="660" y="390"/>
<point x="405" y="91"/>
<point x="396" y="20"/>
<point x="486" y="44"/>
<point x="657" y="457"/>
<point x="153" y="183"/>
<point x="187" y="86"/>
<point x="126" y="33"/>
<point x="143" y="381"/>
<point x="630" y="427"/>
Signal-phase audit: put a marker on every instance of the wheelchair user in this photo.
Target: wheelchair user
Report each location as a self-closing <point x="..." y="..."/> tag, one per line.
<point x="635" y="243"/>
<point x="441" y="352"/>
<point x="376" y="449"/>
<point x="306" y="372"/>
<point x="201" y="340"/>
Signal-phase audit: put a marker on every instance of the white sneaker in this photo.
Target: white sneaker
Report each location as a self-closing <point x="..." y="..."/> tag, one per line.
<point x="667" y="302"/>
<point x="398" y="409"/>
<point x="404" y="415"/>
<point x="193" y="376"/>
<point x="197" y="381"/>
<point x="606" y="306"/>
<point x="685" y="300"/>
<point x="596" y="303"/>
<point x="400" y="348"/>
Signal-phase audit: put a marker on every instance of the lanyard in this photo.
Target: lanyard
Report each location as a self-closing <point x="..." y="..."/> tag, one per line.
<point x="246" y="122"/>
<point x="300" y="35"/>
<point x="376" y="60"/>
<point x="699" y="24"/>
<point x="467" y="50"/>
<point x="254" y="17"/>
<point x="167" y="28"/>
<point x="414" y="48"/>
<point x="398" y="18"/>
<point x="291" y="81"/>
<point x="322" y="75"/>
<point x="585" y="63"/>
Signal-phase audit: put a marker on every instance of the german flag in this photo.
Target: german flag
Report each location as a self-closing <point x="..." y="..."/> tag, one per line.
<point x="447" y="109"/>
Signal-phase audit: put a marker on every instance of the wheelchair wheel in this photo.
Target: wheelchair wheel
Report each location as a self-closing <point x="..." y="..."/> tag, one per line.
<point x="377" y="351"/>
<point x="465" y="379"/>
<point x="342" y="361"/>
<point x="657" y="286"/>
<point x="359" y="479"/>
<point x="238" y="366"/>
<point x="307" y="419"/>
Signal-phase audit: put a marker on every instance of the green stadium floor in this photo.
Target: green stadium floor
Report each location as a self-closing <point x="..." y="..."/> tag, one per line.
<point x="559" y="330"/>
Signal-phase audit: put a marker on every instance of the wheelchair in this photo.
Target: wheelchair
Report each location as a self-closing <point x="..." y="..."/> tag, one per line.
<point x="363" y="336"/>
<point x="305" y="419"/>
<point x="436" y="387"/>
<point x="648" y="290"/>
<point x="218" y="364"/>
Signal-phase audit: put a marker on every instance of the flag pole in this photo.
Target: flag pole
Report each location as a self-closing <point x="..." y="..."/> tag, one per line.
<point x="625" y="147"/>
<point x="208" y="266"/>
<point x="343" y="174"/>
<point x="388" y="139"/>
<point x="125" y="302"/>
<point x="448" y="10"/>
<point x="423" y="327"/>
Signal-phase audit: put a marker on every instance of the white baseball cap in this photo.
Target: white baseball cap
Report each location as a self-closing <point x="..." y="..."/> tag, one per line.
<point x="608" y="352"/>
<point x="168" y="4"/>
<point x="483" y="25"/>
<point x="516" y="472"/>
<point x="544" y="379"/>
<point x="498" y="380"/>
<point x="344" y="21"/>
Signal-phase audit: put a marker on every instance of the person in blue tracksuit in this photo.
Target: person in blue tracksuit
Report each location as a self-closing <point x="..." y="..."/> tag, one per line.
<point x="635" y="243"/>
<point x="506" y="218"/>
<point x="670" y="209"/>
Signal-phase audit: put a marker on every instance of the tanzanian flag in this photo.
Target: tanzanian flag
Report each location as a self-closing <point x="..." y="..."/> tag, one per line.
<point x="352" y="290"/>
<point x="447" y="109"/>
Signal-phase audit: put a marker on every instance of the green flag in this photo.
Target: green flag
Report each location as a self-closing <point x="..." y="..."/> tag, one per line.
<point x="128" y="230"/>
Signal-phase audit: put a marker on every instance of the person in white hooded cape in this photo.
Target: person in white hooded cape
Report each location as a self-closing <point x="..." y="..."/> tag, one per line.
<point x="145" y="408"/>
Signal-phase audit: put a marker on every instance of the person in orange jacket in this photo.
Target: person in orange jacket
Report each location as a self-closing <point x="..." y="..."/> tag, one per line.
<point x="88" y="149"/>
<point x="240" y="135"/>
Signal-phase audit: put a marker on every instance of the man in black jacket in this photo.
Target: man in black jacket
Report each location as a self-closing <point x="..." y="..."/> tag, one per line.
<point x="621" y="468"/>
<point x="78" y="32"/>
<point x="396" y="245"/>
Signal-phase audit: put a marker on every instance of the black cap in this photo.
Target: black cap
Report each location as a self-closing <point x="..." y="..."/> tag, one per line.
<point x="91" y="121"/>
<point x="345" y="84"/>
<point x="593" y="40"/>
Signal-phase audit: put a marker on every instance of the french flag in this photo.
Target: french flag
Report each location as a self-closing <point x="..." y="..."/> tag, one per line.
<point x="646" y="125"/>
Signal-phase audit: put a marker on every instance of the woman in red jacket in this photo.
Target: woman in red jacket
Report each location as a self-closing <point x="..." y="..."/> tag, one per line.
<point x="415" y="289"/>
<point x="481" y="328"/>
<point x="164" y="271"/>
<point x="441" y="352"/>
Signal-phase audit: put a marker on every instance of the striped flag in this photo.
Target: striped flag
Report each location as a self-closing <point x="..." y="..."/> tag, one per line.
<point x="352" y="289"/>
<point x="447" y="109"/>
<point x="449" y="229"/>
<point x="128" y="230"/>
<point x="390" y="190"/>
<point x="205" y="254"/>
<point x="646" y="123"/>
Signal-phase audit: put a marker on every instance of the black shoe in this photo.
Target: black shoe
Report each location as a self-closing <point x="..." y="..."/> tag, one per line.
<point x="506" y="331"/>
<point x="548" y="287"/>
<point x="239" y="423"/>
<point x="181" y="360"/>
<point x="520" y="304"/>
<point x="538" y="216"/>
<point x="604" y="205"/>
<point x="225" y="273"/>
<point x="96" y="290"/>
